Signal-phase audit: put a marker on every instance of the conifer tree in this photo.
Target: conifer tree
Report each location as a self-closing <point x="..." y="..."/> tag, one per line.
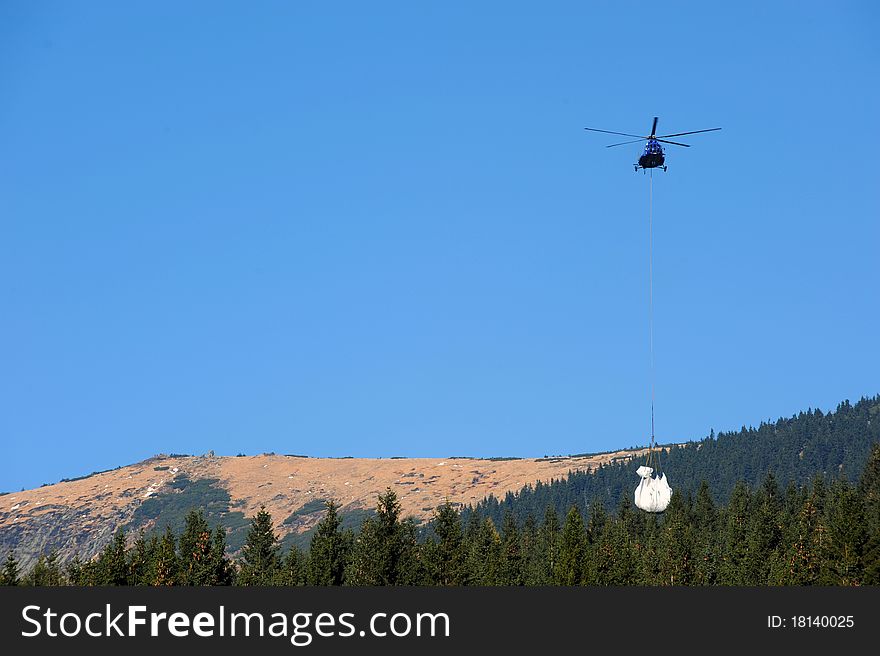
<point x="802" y="560"/>
<point x="364" y="566"/>
<point x="329" y="550"/>
<point x="510" y="567"/>
<point x="634" y="521"/>
<point x="447" y="551"/>
<point x="649" y="570"/>
<point x="54" y="573"/>
<point x="293" y="568"/>
<point x="533" y="567"/>
<point x="10" y="574"/>
<point x="793" y="501"/>
<point x="570" y="569"/>
<point x="764" y="533"/>
<point x="470" y="538"/>
<point x="706" y="538"/>
<point x="820" y="492"/>
<point x="384" y="551"/>
<point x="78" y="573"/>
<point x="483" y="546"/>
<point x="871" y="574"/>
<point x="112" y="565"/>
<point x="597" y="522"/>
<point x="194" y="550"/>
<point x="675" y="561"/>
<point x="869" y="490"/>
<point x="614" y="561"/>
<point x="202" y="553"/>
<point x="260" y="555"/>
<point x="846" y="537"/>
<point x="411" y="569"/>
<point x="221" y="570"/>
<point x="139" y="562"/>
<point x="389" y="543"/>
<point x="549" y="545"/>
<point x="165" y="567"/>
<point x="615" y="558"/>
<point x="733" y="568"/>
<point x="45" y="572"/>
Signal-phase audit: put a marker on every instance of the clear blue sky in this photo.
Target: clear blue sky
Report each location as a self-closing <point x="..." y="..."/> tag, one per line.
<point x="379" y="229"/>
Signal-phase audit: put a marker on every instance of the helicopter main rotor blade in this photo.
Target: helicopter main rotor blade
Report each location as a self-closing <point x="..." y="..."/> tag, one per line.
<point x="674" y="143"/>
<point x="654" y="127"/>
<point x="622" y="143"/>
<point x="622" y="134"/>
<point x="680" y="134"/>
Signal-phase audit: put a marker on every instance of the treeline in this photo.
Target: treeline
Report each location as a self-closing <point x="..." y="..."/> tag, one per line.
<point x="823" y="533"/>
<point x="834" y="444"/>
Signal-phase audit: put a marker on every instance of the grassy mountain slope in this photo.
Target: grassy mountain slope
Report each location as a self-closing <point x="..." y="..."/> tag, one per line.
<point x="80" y="515"/>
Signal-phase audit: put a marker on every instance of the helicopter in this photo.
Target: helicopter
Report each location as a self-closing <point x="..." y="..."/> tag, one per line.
<point x="653" y="156"/>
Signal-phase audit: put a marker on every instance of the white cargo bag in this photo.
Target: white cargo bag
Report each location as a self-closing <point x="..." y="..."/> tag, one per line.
<point x="652" y="494"/>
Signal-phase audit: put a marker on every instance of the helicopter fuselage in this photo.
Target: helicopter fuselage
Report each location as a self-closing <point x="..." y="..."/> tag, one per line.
<point x="652" y="157"/>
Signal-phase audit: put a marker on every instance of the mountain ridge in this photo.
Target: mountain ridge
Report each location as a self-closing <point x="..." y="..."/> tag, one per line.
<point x="80" y="515"/>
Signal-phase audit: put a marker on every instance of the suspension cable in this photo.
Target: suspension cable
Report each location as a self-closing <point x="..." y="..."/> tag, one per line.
<point x="651" y="294"/>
